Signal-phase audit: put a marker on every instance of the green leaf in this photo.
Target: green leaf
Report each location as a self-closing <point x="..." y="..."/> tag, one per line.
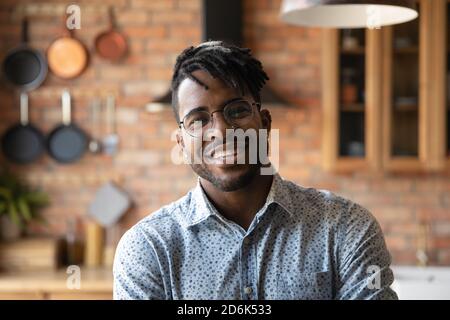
<point x="36" y="198"/>
<point x="5" y="192"/>
<point x="24" y="209"/>
<point x="13" y="214"/>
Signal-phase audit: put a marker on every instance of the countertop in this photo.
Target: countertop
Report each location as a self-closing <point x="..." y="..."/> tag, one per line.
<point x="44" y="284"/>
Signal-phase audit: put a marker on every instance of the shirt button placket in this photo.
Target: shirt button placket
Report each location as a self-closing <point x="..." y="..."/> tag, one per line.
<point x="248" y="265"/>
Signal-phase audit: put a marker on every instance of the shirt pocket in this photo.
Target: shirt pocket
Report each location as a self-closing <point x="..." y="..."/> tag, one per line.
<point x="306" y="286"/>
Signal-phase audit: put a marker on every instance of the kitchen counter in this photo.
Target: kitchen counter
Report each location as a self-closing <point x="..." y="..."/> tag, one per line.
<point x="95" y="284"/>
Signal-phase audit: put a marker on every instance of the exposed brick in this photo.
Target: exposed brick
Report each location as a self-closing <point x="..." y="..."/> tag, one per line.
<point x="161" y="5"/>
<point x="174" y="18"/>
<point x="157" y="31"/>
<point x="132" y="17"/>
<point x="150" y="32"/>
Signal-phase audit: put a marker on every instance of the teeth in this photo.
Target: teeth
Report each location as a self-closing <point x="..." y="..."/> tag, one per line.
<point x="223" y="154"/>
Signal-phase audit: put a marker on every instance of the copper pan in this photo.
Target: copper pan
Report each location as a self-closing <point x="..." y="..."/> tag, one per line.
<point x="67" y="56"/>
<point x="111" y="44"/>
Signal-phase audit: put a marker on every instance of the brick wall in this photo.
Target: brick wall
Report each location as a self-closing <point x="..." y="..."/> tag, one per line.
<point x="158" y="30"/>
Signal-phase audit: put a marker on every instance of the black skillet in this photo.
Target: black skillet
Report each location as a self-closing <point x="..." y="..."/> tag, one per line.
<point x="25" y="67"/>
<point x="23" y="143"/>
<point x="67" y="142"/>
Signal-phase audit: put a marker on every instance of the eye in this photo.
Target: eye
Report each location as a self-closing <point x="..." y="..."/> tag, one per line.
<point x="196" y="117"/>
<point x="239" y="110"/>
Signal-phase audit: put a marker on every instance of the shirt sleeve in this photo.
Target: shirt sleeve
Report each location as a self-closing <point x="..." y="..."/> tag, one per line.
<point x="137" y="274"/>
<point x="364" y="261"/>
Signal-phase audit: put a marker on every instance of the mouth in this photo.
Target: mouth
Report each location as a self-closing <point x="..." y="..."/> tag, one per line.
<point x="226" y="154"/>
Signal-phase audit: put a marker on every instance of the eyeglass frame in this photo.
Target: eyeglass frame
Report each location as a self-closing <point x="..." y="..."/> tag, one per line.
<point x="211" y="114"/>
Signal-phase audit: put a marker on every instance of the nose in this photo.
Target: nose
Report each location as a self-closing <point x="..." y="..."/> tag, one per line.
<point x="219" y="125"/>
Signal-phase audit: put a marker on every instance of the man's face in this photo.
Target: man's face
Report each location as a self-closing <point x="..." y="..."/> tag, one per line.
<point x="218" y="171"/>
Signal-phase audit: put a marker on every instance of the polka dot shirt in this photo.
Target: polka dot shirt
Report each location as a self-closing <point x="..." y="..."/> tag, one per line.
<point x="303" y="243"/>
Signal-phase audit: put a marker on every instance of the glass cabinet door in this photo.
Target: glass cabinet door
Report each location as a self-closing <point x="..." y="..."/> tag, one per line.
<point x="448" y="79"/>
<point x="352" y="60"/>
<point x="405" y="90"/>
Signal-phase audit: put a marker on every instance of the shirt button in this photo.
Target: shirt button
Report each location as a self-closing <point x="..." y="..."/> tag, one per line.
<point x="246" y="241"/>
<point x="248" y="290"/>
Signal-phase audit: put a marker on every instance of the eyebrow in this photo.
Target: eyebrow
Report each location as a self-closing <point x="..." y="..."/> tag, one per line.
<point x="205" y="108"/>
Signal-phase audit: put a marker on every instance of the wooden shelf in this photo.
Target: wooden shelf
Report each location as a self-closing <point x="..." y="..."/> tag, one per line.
<point x="406" y="107"/>
<point x="354" y="51"/>
<point x="407" y="50"/>
<point x="354" y="107"/>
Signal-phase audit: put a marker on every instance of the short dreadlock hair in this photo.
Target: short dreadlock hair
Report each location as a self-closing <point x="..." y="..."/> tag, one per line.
<point x="234" y="66"/>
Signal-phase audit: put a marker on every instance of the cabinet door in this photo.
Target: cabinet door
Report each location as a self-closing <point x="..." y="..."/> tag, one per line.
<point x="351" y="87"/>
<point x="401" y="94"/>
<point x="352" y="93"/>
<point x="344" y="99"/>
<point x="446" y="89"/>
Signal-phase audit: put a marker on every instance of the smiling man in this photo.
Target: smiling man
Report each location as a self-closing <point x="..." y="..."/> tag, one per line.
<point x="240" y="233"/>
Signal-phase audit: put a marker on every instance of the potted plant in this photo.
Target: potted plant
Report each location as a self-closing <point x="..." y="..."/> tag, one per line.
<point x="19" y="205"/>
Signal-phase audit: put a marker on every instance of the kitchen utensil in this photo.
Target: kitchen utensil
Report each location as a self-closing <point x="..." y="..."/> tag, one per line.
<point x="95" y="239"/>
<point x="74" y="246"/>
<point x="111" y="141"/>
<point x="24" y="66"/>
<point x="94" y="143"/>
<point x="23" y="143"/>
<point x="67" y="56"/>
<point x="111" y="44"/>
<point x="109" y="204"/>
<point x="66" y="143"/>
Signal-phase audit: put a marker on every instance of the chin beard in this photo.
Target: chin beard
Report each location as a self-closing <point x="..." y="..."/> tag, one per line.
<point x="228" y="185"/>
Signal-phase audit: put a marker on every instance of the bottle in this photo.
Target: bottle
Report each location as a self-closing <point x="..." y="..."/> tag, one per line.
<point x="74" y="246"/>
<point x="349" y="91"/>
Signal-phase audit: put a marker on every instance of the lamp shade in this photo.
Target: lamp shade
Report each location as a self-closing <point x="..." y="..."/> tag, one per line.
<point x="347" y="13"/>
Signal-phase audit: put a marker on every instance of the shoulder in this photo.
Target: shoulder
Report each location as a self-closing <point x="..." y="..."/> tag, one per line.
<point x="166" y="222"/>
<point x="325" y="205"/>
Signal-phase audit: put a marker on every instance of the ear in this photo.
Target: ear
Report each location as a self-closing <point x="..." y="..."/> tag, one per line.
<point x="180" y="140"/>
<point x="266" y="119"/>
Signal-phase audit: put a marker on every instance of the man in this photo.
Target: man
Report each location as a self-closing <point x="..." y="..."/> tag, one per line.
<point x="242" y="234"/>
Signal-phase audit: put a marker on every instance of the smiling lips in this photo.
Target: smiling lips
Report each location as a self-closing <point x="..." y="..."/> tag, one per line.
<point x="224" y="154"/>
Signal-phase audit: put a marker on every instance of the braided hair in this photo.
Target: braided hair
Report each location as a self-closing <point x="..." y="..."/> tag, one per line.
<point x="234" y="66"/>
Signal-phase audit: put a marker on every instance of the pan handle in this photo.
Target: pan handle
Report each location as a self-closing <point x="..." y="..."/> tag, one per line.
<point x="66" y="108"/>
<point x="24" y="109"/>
<point x="111" y="113"/>
<point x="112" y="21"/>
<point x="25" y="30"/>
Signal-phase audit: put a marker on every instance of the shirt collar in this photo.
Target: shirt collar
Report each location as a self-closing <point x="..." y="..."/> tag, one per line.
<point x="201" y="208"/>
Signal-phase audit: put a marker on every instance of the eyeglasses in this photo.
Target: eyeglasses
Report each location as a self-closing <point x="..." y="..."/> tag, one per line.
<point x="237" y="113"/>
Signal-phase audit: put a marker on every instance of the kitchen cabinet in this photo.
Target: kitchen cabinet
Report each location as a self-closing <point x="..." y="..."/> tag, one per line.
<point x="96" y="284"/>
<point x="385" y="100"/>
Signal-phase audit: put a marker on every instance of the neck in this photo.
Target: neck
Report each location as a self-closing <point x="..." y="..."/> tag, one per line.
<point x="235" y="205"/>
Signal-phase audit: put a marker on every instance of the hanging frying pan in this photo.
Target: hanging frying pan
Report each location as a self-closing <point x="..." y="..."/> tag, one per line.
<point x="23" y="143"/>
<point x="66" y="143"/>
<point x="111" y="44"/>
<point x="24" y="66"/>
<point x="67" y="56"/>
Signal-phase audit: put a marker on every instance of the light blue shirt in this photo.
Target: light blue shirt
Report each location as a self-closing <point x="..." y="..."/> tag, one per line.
<point x="302" y="244"/>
